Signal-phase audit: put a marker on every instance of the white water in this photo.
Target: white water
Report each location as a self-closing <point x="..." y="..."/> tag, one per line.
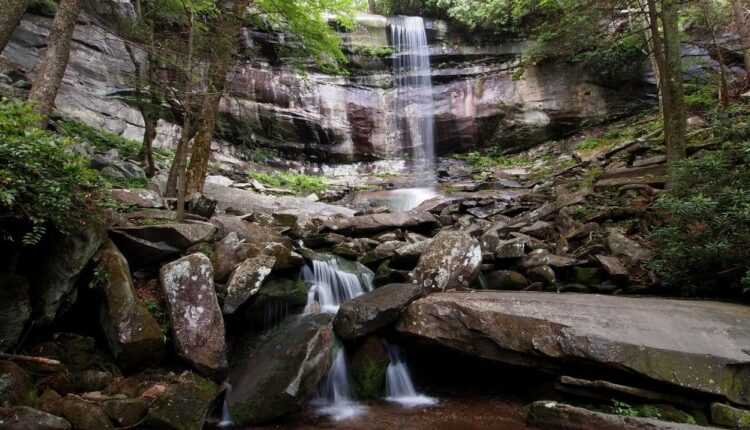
<point x="415" y="113"/>
<point x="399" y="387"/>
<point x="332" y="285"/>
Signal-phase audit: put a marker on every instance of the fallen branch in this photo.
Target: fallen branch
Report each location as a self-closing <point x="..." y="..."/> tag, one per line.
<point x="30" y="359"/>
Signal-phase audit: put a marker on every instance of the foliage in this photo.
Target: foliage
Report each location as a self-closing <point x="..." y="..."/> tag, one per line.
<point x="101" y="140"/>
<point x="42" y="7"/>
<point x="482" y="161"/>
<point x="704" y="245"/>
<point x="298" y="183"/>
<point x="369" y="51"/>
<point x="702" y="97"/>
<point x="41" y="182"/>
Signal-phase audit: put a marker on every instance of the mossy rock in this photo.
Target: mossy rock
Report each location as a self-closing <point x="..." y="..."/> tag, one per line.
<point x="184" y="405"/>
<point x="277" y="299"/>
<point x="15" y="385"/>
<point x="727" y="416"/>
<point x="368" y="369"/>
<point x="84" y="415"/>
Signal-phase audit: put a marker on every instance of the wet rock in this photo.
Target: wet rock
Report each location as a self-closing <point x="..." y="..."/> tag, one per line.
<point x="623" y="246"/>
<point x="137" y="198"/>
<point x="277" y="299"/>
<point x="197" y="321"/>
<point x="366" y="225"/>
<point x="727" y="416"/>
<point x="83" y="415"/>
<point x="125" y="412"/>
<point x="229" y="253"/>
<point x="133" y="335"/>
<point x="26" y="418"/>
<point x="506" y="280"/>
<point x="650" y="338"/>
<point x="280" y="374"/>
<point x="543" y="274"/>
<point x="368" y="368"/>
<point x="144" y="245"/>
<point x="553" y="415"/>
<point x="374" y="310"/>
<point x="183" y="405"/>
<point x="15" y="385"/>
<point x="246" y="281"/>
<point x="55" y="272"/>
<point x="452" y="260"/>
<point x="13" y="290"/>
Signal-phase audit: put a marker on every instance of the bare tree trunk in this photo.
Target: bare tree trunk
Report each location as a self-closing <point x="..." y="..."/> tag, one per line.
<point x="227" y="30"/>
<point x="51" y="71"/>
<point x="675" y="131"/>
<point x="181" y="160"/>
<point x="656" y="50"/>
<point x="11" y="12"/>
<point x="744" y="31"/>
<point x="723" y="85"/>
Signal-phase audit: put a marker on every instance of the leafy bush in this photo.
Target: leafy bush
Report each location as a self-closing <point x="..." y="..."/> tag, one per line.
<point x="43" y="7"/>
<point x="480" y="161"/>
<point x="40" y="182"/>
<point x="101" y="140"/>
<point x="704" y="245"/>
<point x="700" y="97"/>
<point x="299" y="184"/>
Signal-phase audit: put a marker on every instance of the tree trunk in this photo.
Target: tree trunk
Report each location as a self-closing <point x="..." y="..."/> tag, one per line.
<point x="723" y="84"/>
<point x="744" y="31"/>
<point x="657" y="50"/>
<point x="181" y="159"/>
<point x="227" y="30"/>
<point x="675" y="131"/>
<point x="11" y="12"/>
<point x="51" y="71"/>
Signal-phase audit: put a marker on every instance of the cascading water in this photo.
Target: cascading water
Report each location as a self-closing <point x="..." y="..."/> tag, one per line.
<point x="399" y="387"/>
<point x="332" y="285"/>
<point x="414" y="102"/>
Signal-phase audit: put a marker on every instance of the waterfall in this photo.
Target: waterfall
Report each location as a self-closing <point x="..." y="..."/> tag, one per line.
<point x="332" y="284"/>
<point x="414" y="102"/>
<point x="399" y="387"/>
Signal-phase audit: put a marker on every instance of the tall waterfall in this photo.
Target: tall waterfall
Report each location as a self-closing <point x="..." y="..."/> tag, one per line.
<point x="332" y="285"/>
<point x="414" y="102"/>
<point x="399" y="387"/>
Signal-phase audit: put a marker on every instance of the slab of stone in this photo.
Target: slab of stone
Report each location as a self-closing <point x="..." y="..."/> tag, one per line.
<point x="695" y="345"/>
<point x="366" y="225"/>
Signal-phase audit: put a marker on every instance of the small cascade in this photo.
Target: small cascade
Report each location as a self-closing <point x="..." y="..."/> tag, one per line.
<point x="415" y="113"/>
<point x="332" y="284"/>
<point x="334" y="396"/>
<point x="226" y="419"/>
<point x="274" y="313"/>
<point x="398" y="384"/>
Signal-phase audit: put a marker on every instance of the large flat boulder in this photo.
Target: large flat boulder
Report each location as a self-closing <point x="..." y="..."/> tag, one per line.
<point x="696" y="345"/>
<point x="374" y="310"/>
<point x="143" y="245"/>
<point x="132" y="333"/>
<point x="278" y="374"/>
<point x="365" y="225"/>
<point x="197" y="321"/>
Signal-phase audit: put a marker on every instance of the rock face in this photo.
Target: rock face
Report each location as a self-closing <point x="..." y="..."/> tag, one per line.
<point x="452" y="260"/>
<point x="371" y="311"/>
<point x="197" y="321"/>
<point x="13" y="289"/>
<point x="281" y="373"/>
<point x="133" y="334"/>
<point x="700" y="346"/>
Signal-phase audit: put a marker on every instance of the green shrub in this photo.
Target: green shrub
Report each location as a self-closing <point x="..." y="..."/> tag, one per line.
<point x="702" y="97"/>
<point x="43" y="7"/>
<point x="480" y="161"/>
<point x="42" y="183"/>
<point x="102" y="140"/>
<point x="299" y="184"/>
<point x="704" y="245"/>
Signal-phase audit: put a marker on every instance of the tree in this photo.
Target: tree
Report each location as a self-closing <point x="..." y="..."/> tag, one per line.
<point x="743" y="29"/>
<point x="675" y="126"/>
<point x="11" y="12"/>
<point x="50" y="73"/>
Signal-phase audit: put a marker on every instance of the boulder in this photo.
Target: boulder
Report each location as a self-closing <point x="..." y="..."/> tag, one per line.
<point x="16" y="311"/>
<point x="504" y="249"/>
<point x="182" y="404"/>
<point x="248" y="231"/>
<point x="143" y="245"/>
<point x="613" y="266"/>
<point x="84" y="415"/>
<point x="56" y="270"/>
<point x="406" y="257"/>
<point x="541" y="257"/>
<point x="366" y="225"/>
<point x="553" y="415"/>
<point x="698" y="346"/>
<point x="727" y="416"/>
<point x="543" y="274"/>
<point x="286" y="259"/>
<point x="15" y="385"/>
<point x="197" y="321"/>
<point x="229" y="253"/>
<point x="137" y="198"/>
<point x="372" y="311"/>
<point x="246" y="281"/>
<point x="277" y="299"/>
<point x="126" y="412"/>
<point x="132" y="333"/>
<point x="382" y="252"/>
<point x="623" y="246"/>
<point x="280" y="374"/>
<point x="506" y="280"/>
<point x="368" y="368"/>
<point x="452" y="260"/>
<point x="26" y="418"/>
